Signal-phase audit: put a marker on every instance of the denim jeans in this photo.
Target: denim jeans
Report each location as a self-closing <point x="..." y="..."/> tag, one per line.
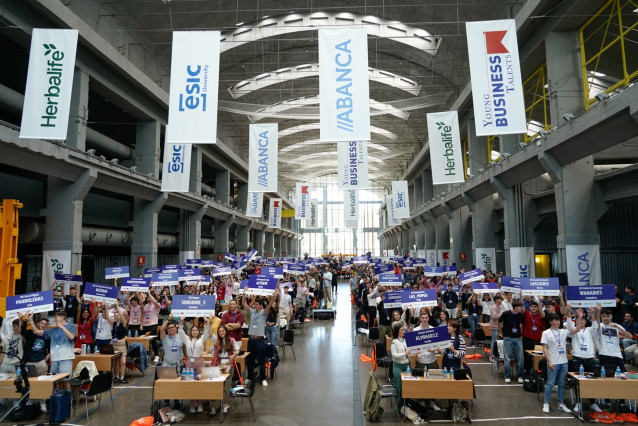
<point x="559" y="373"/>
<point x="272" y="335"/>
<point x="494" y="338"/>
<point x="513" y="349"/>
<point x="473" y="320"/>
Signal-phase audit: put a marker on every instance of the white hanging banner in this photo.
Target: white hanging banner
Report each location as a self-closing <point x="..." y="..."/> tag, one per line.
<point x="486" y="258"/>
<point x="400" y="199"/>
<point x="274" y="213"/>
<point x="302" y="200"/>
<point x="522" y="263"/>
<point x="47" y="97"/>
<point x="443" y="257"/>
<point x="430" y="257"/>
<point x="351" y="205"/>
<point x="344" y="92"/>
<point x="352" y="158"/>
<point x="392" y="219"/>
<point x="192" y="104"/>
<point x="54" y="262"/>
<point x="176" y="167"/>
<point x="312" y="221"/>
<point x="445" y="147"/>
<point x="255" y="205"/>
<point x="351" y="224"/>
<point x="262" y="157"/>
<point x="583" y="264"/>
<point x="497" y="91"/>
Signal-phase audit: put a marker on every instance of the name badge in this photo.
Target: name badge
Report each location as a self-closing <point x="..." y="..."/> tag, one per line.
<point x="82" y="336"/>
<point x="534" y="328"/>
<point x="514" y="330"/>
<point x="174" y="348"/>
<point x="192" y="359"/>
<point x="583" y="348"/>
<point x="115" y="340"/>
<point x="561" y="350"/>
<point x="450" y="355"/>
<point x="254" y="325"/>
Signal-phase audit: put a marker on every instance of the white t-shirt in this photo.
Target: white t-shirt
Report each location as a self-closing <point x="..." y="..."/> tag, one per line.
<point x="583" y="341"/>
<point x="609" y="341"/>
<point x="327" y="276"/>
<point x="103" y="331"/>
<point x="556" y="341"/>
<point x="285" y="301"/>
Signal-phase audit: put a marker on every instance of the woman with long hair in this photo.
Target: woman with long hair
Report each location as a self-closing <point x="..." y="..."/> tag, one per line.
<point x="226" y="349"/>
<point x="272" y="323"/>
<point x="455" y="352"/>
<point x="85" y="326"/>
<point x="195" y="342"/>
<point x="400" y="358"/>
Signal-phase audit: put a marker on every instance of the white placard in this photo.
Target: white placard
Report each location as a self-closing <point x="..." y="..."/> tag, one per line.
<point x="313" y="220"/>
<point x="262" y="157"/>
<point x="583" y="264"/>
<point x="392" y="219"/>
<point x="255" y="204"/>
<point x="176" y="167"/>
<point x="344" y="92"/>
<point x="486" y="258"/>
<point x="47" y="97"/>
<point x="522" y="263"/>
<point x="54" y="262"/>
<point x="351" y="205"/>
<point x="302" y="200"/>
<point x="497" y="91"/>
<point x="352" y="168"/>
<point x="274" y="213"/>
<point x="445" y="147"/>
<point x="400" y="199"/>
<point x="192" y="106"/>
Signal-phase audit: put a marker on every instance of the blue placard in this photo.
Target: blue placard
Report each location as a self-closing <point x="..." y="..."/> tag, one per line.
<point x="273" y="272"/>
<point x="190" y="274"/>
<point x="148" y="272"/>
<point x="252" y="253"/>
<point x="193" y="262"/>
<point x="294" y="268"/>
<point x="207" y="263"/>
<point x="261" y="285"/>
<point x="201" y="305"/>
<point x="100" y="292"/>
<point x="41" y="301"/>
<point x="243" y="284"/>
<point x="239" y="265"/>
<point x="171" y="268"/>
<point x="480" y="288"/>
<point x="588" y="296"/>
<point x="539" y="287"/>
<point x="471" y="276"/>
<point x="218" y="272"/>
<point x="69" y="279"/>
<point x="230" y="257"/>
<point x="136" y="284"/>
<point x="382" y="268"/>
<point x="418" y="298"/>
<point x="511" y="284"/>
<point x="390" y="280"/>
<point x="430" y="338"/>
<point x="392" y="299"/>
<point x="165" y="278"/>
<point x="361" y="260"/>
<point x="117" y="272"/>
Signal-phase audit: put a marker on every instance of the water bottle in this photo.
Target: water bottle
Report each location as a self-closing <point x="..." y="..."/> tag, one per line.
<point x="18" y="372"/>
<point x="451" y="373"/>
<point x="618" y="374"/>
<point x="191" y="374"/>
<point x="137" y="333"/>
<point x="602" y="372"/>
<point x="97" y="350"/>
<point x="425" y="372"/>
<point x="129" y="334"/>
<point x="408" y="370"/>
<point x="184" y="373"/>
<point x="444" y="373"/>
<point x="581" y="371"/>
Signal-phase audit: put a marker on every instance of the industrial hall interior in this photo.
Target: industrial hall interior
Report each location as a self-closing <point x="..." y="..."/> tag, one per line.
<point x="432" y="202"/>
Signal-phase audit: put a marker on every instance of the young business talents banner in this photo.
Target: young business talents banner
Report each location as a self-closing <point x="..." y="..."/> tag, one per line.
<point x="176" y="167"/>
<point x="255" y="206"/>
<point x="401" y="199"/>
<point x="302" y="200"/>
<point x="445" y="147"/>
<point x="274" y="213"/>
<point x="47" y="97"/>
<point x="262" y="157"/>
<point x="192" y="105"/>
<point x="352" y="167"/>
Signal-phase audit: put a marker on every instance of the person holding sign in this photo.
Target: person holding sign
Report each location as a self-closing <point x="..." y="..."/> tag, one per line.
<point x="135" y="314"/>
<point x="194" y="353"/>
<point x="511" y="324"/>
<point x="12" y="349"/>
<point x="256" y="336"/>
<point x="150" y="320"/>
<point x="225" y="350"/>
<point x="104" y="323"/>
<point x="400" y="359"/>
<point x="172" y="349"/>
<point x="554" y="341"/>
<point x="36" y="351"/>
<point x="533" y="328"/>
<point x="72" y="301"/>
<point x="454" y="354"/>
<point x="426" y="359"/>
<point x="61" y="336"/>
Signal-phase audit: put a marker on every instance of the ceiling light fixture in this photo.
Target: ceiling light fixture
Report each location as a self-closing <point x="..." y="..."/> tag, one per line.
<point x="239" y="24"/>
<point x="601" y="96"/>
<point x="568" y="117"/>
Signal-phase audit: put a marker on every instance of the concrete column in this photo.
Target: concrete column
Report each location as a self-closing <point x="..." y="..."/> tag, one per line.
<point x="442" y="229"/>
<point x="242" y="196"/>
<point x="222" y="234"/>
<point x="147" y="147"/>
<point x="429" y="227"/>
<point x="483" y="226"/>
<point x="190" y="234"/>
<point x="258" y="241"/>
<point x="269" y="246"/>
<point x="243" y="238"/>
<point x="509" y="144"/>
<point x="144" y="239"/>
<point x="412" y="240"/>
<point x="277" y="240"/>
<point x="195" y="179"/>
<point x="418" y="193"/>
<point x="79" y="110"/>
<point x="520" y="216"/>
<point x="428" y="186"/>
<point x="63" y="217"/>
<point x="564" y="73"/>
<point x="479" y="158"/>
<point x="460" y="237"/>
<point x="222" y="187"/>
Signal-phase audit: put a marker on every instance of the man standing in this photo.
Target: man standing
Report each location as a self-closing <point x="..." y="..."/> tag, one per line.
<point x="450" y="300"/>
<point x="327" y="285"/>
<point x="609" y="342"/>
<point x="554" y="342"/>
<point x="285" y="304"/>
<point x="533" y="328"/>
<point x="511" y="325"/>
<point x="61" y="336"/>
<point x="629" y="302"/>
<point x="173" y="353"/>
<point x="256" y="336"/>
<point x="37" y="351"/>
<point x="233" y="319"/>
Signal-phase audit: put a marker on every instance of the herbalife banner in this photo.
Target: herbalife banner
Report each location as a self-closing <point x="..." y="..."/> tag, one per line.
<point x="445" y="147"/>
<point x="392" y="219"/>
<point x="495" y="70"/>
<point x="262" y="158"/>
<point x="274" y="213"/>
<point x="47" y="97"/>
<point x="583" y="264"/>
<point x="522" y="263"/>
<point x="302" y="201"/>
<point x="486" y="258"/>
<point x="255" y="205"/>
<point x="430" y="257"/>
<point x="177" y="167"/>
<point x="312" y="221"/>
<point x="400" y="199"/>
<point x="352" y="167"/>
<point x="192" y="105"/>
<point x="351" y="205"/>
<point x="54" y="262"/>
<point x="343" y="85"/>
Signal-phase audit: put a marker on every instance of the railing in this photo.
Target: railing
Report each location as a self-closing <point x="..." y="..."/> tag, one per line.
<point x="466" y="157"/>
<point x="536" y="102"/>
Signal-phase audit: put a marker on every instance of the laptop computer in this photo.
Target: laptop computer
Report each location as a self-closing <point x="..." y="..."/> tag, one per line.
<point x="106" y="349"/>
<point x="210" y="372"/>
<point x="166" y="372"/>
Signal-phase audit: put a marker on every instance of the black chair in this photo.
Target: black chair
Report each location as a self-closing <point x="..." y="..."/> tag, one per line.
<point x="101" y="383"/>
<point x="373" y="337"/>
<point x="383" y="359"/>
<point x="359" y="325"/>
<point x="243" y="392"/>
<point x="133" y="356"/>
<point x="288" y="340"/>
<point x="271" y="360"/>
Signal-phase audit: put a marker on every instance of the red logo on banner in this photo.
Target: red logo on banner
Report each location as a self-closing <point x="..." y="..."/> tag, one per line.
<point x="446" y="255"/>
<point x="494" y="42"/>
<point x="304" y="189"/>
<point x="275" y="203"/>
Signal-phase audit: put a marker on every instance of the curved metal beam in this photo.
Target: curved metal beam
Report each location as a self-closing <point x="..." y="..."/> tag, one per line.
<point x="316" y="126"/>
<point x="296" y="145"/>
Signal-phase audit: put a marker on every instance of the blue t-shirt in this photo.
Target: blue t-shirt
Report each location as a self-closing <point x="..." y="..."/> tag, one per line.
<point x="61" y="345"/>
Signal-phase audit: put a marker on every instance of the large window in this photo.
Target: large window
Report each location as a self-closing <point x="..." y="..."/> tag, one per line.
<point x="332" y="235"/>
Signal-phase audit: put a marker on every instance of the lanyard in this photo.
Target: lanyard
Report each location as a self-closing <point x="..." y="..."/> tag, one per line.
<point x="534" y="319"/>
<point x="115" y="331"/>
<point x="193" y="347"/>
<point x="234" y="317"/>
<point x="558" y="342"/>
<point x="582" y="337"/>
<point x="608" y="334"/>
<point x="58" y="337"/>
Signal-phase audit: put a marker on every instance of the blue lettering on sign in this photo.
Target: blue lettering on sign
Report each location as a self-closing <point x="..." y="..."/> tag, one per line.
<point x="262" y="170"/>
<point x="498" y="91"/>
<point x="343" y="60"/>
<point x="177" y="160"/>
<point x="584" y="269"/>
<point x="194" y="98"/>
<point x="523" y="271"/>
<point x="253" y="202"/>
<point x="400" y="200"/>
<point x="353" y="163"/>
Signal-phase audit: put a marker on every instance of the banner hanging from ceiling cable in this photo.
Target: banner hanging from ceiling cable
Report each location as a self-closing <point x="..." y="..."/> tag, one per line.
<point x="192" y="106"/>
<point x="262" y="157"/>
<point x="351" y="205"/>
<point x="400" y="199"/>
<point x="352" y="160"/>
<point x="445" y="147"/>
<point x="302" y="200"/>
<point x="176" y="168"/>
<point x="344" y="92"/>
<point x="255" y="205"/>
<point x="274" y="213"/>
<point x="522" y="263"/>
<point x="47" y="97"/>
<point x="497" y="91"/>
<point x="392" y="219"/>
<point x="312" y="221"/>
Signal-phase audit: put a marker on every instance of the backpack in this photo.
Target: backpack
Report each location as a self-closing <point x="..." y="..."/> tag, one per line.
<point x="460" y="412"/>
<point x="372" y="401"/>
<point x="530" y="382"/>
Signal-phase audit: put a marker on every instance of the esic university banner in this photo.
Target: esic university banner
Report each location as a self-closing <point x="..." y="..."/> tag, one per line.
<point x="344" y="92"/>
<point x="192" y="105"/>
<point x="352" y="159"/>
<point x="262" y="157"/>
<point x="445" y="147"/>
<point x="400" y="199"/>
<point x="47" y="97"/>
<point x="176" y="167"/>
<point x="497" y="91"/>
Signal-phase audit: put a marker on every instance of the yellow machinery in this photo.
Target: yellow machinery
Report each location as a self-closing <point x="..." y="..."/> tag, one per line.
<point x="10" y="269"/>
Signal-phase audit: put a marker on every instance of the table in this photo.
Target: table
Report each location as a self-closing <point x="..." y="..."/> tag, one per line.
<point x="40" y="389"/>
<point x="537" y="357"/>
<point x="604" y="388"/>
<point x="439" y="360"/>
<point x="103" y="362"/>
<point x="144" y="340"/>
<point x="239" y="359"/>
<point x="437" y="388"/>
<point x="197" y="389"/>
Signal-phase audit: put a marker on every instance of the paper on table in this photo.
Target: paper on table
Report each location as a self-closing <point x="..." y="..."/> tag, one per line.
<point x="45" y="378"/>
<point x="216" y="379"/>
